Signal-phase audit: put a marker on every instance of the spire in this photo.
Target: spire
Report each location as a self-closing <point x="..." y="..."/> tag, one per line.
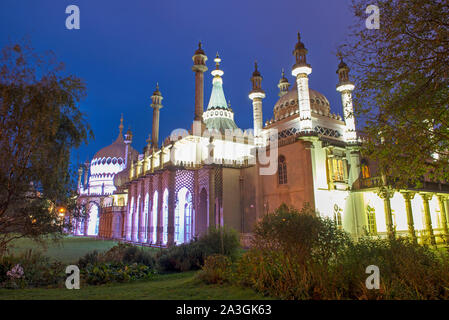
<point x="218" y="115"/>
<point x="300" y="53"/>
<point x="283" y="84"/>
<point x="256" y="80"/>
<point x="343" y="72"/>
<point x="217" y="97"/>
<point x="120" y="127"/>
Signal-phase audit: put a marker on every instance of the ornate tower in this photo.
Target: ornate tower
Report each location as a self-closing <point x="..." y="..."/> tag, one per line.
<point x="86" y="175"/>
<point x="128" y="140"/>
<point x="199" y="67"/>
<point x="256" y="95"/>
<point x="345" y="87"/>
<point x="301" y="71"/>
<point x="80" y="176"/>
<point x="156" y="98"/>
<point x="283" y="84"/>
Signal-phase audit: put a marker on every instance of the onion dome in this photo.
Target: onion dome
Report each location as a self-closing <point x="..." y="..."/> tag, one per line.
<point x="200" y="49"/>
<point x="218" y="114"/>
<point x="109" y="161"/>
<point x="287" y="105"/>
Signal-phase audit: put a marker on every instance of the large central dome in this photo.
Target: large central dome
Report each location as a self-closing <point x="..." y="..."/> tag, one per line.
<point x="288" y="104"/>
<point x="108" y="162"/>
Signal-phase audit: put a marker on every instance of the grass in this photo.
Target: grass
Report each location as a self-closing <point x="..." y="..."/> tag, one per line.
<point x="69" y="250"/>
<point x="178" y="286"/>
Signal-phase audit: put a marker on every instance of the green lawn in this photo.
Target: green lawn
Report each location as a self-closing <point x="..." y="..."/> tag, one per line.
<point x="69" y="250"/>
<point x="182" y="286"/>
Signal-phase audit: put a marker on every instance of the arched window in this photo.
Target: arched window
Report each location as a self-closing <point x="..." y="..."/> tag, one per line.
<point x="165" y="216"/>
<point x="282" y="170"/>
<point x="145" y="218"/>
<point x="337" y="216"/>
<point x="371" y="219"/>
<point x="154" y="216"/>
<point x="129" y="219"/>
<point x="94" y="219"/>
<point x="136" y="221"/>
<point x="188" y="217"/>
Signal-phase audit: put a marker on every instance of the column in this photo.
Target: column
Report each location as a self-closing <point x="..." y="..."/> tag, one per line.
<point x="441" y="200"/>
<point x="386" y="195"/>
<point x="426" y="197"/>
<point x="408" y="196"/>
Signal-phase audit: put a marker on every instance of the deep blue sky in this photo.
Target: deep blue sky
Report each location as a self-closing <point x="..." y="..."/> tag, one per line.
<point x="124" y="47"/>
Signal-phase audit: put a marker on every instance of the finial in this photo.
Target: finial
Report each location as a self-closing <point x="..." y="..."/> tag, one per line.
<point x="121" y="124"/>
<point x="229" y="103"/>
<point x="255" y="65"/>
<point x="299" y="36"/>
<point x="199" y="45"/>
<point x="217" y="61"/>
<point x="157" y="92"/>
<point x="283" y="73"/>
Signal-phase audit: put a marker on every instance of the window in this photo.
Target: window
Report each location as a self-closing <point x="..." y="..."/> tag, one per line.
<point x="282" y="170"/>
<point x="371" y="219"/>
<point x="337" y="216"/>
<point x="339" y="172"/>
<point x="365" y="169"/>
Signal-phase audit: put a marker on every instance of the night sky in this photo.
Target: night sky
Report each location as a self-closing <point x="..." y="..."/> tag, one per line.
<point x="124" y="47"/>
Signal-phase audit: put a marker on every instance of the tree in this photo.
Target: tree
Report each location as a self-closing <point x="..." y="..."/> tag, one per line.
<point x="402" y="87"/>
<point x="39" y="125"/>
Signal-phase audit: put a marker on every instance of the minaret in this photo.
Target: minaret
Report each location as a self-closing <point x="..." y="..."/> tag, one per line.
<point x="86" y="174"/>
<point x="345" y="87"/>
<point x="199" y="67"/>
<point x="156" y="105"/>
<point x="283" y="85"/>
<point x="128" y="140"/>
<point x="80" y="176"/>
<point x="256" y="95"/>
<point x="301" y="71"/>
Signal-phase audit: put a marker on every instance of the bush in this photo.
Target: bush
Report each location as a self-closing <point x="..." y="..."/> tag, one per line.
<point x="297" y="255"/>
<point x="88" y="258"/>
<point x="216" y="269"/>
<point x="38" y="271"/>
<point x="101" y="273"/>
<point x="222" y="240"/>
<point x="185" y="257"/>
<point x="121" y="253"/>
<point x="191" y="256"/>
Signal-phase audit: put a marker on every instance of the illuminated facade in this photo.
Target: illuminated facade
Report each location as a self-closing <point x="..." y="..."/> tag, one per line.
<point x="216" y="174"/>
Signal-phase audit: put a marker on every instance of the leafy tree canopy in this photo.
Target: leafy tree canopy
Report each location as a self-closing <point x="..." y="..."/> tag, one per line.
<point x="39" y="125"/>
<point x="402" y="87"/>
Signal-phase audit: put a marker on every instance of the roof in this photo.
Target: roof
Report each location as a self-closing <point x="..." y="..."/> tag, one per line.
<point x="116" y="150"/>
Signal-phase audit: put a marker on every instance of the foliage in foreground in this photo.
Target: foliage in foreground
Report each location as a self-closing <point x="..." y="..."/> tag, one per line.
<point x="36" y="270"/>
<point x="296" y="255"/>
<point x="191" y="256"/>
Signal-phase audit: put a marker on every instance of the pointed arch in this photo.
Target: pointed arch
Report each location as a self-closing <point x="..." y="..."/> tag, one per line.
<point x="154" y="213"/>
<point x="145" y="217"/>
<point x="165" y="217"/>
<point x="94" y="220"/>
